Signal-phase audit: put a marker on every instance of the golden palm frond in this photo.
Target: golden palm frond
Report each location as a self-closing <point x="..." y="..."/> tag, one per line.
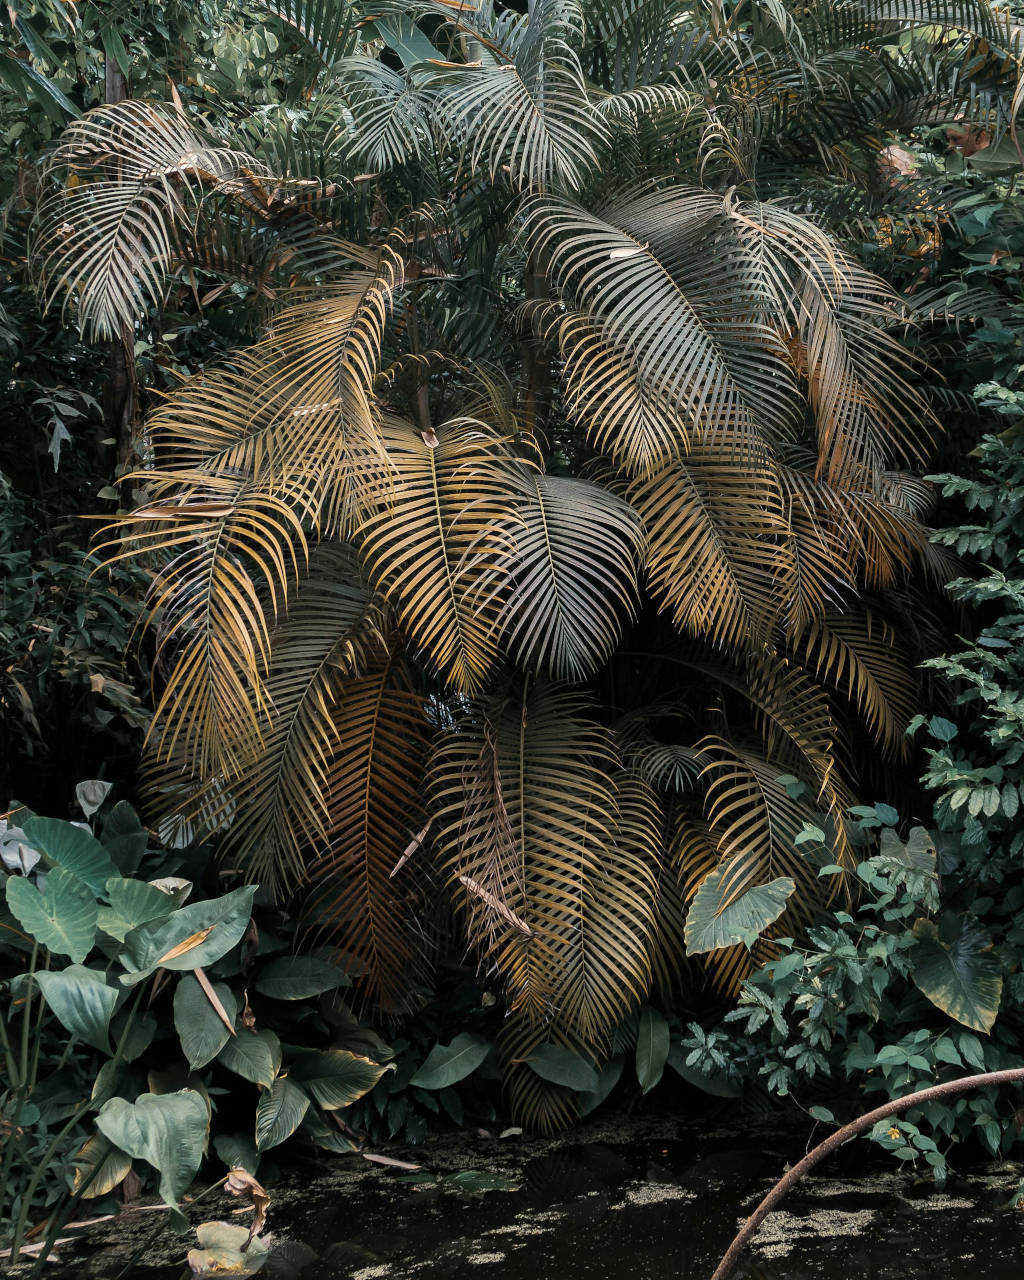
<point x="279" y="805"/>
<point x="857" y="654"/>
<point x="372" y="791"/>
<point x="439" y="544"/>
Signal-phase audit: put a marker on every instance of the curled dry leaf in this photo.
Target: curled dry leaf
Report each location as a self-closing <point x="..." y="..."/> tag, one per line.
<point x="241" y="1183"/>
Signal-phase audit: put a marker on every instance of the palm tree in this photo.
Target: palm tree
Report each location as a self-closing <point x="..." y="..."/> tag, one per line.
<point x="555" y="532"/>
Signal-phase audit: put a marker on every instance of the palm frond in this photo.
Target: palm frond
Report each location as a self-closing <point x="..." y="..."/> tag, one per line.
<point x="577" y="550"/>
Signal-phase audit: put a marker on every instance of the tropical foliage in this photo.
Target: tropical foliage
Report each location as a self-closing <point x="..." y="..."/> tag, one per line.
<point x="559" y="538"/>
<point x="530" y="497"/>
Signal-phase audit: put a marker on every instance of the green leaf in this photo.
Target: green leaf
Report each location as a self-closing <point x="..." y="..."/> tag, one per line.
<point x="336" y="1078"/>
<point x="447" y="1064"/>
<point x="652" y="1046"/>
<point x="253" y="1055"/>
<point x="73" y="848"/>
<point x="238" y="1151"/>
<point x="823" y="1114"/>
<point x="200" y="1028"/>
<point x="956" y="969"/>
<point x="167" y="1130"/>
<point x="606" y="1082"/>
<point x="82" y="1002"/>
<point x="718" y="1085"/>
<point x="718" y="919"/>
<point x="299" y="977"/>
<point x="279" y="1113"/>
<point x="124" y="837"/>
<point x="61" y="917"/>
<point x="212" y="928"/>
<point x="132" y="903"/>
<point x="565" y="1067"/>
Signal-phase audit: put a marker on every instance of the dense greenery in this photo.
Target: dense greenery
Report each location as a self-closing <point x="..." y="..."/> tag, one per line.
<point x="509" y="430"/>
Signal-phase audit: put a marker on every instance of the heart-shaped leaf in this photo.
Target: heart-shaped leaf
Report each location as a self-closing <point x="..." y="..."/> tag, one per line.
<point x="73" y="848"/>
<point x="82" y="1002"/>
<point x="718" y="917"/>
<point x="956" y="969"/>
<point x="565" y="1067"/>
<point x="61" y="917"/>
<point x="132" y="903"/>
<point x="167" y="1130"/>
<point x="124" y="837"/>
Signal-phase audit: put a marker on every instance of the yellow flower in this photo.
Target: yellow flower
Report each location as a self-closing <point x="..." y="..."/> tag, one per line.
<point x="894" y="1133"/>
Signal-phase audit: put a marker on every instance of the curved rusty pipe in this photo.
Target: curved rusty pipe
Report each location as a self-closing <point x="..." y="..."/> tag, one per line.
<point x="1012" y="1075"/>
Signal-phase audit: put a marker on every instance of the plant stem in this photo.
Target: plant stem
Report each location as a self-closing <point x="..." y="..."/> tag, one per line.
<point x="1013" y="1075"/>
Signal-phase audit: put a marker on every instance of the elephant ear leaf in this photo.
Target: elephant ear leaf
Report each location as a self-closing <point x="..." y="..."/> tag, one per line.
<point x="167" y="1130"/>
<point x="61" y="916"/>
<point x="721" y="917"/>
<point x="76" y="850"/>
<point x="82" y="1001"/>
<point x="954" y="966"/>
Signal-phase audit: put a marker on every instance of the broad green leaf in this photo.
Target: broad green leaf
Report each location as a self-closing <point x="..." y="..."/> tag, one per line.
<point x="82" y="1002"/>
<point x="73" y="848"/>
<point x="606" y="1082"/>
<point x="124" y="837"/>
<point x="299" y="977"/>
<point x="100" y="1167"/>
<point x="954" y="966"/>
<point x="565" y="1067"/>
<point x="335" y="1078"/>
<point x="200" y="1028"/>
<point x="447" y="1064"/>
<point x="192" y="937"/>
<point x="253" y="1055"/>
<point x="61" y="917"/>
<point x="652" y="1045"/>
<point x="238" y="1151"/>
<point x="167" y="1130"/>
<point x="718" y="919"/>
<point x="279" y="1113"/>
<point x="327" y="1136"/>
<point x="132" y="903"/>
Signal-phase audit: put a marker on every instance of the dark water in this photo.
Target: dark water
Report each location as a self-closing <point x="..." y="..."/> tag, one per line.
<point x="638" y="1203"/>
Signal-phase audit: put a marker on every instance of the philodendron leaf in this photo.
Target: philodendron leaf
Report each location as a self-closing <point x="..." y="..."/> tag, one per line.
<point x="100" y="1167"/>
<point x="652" y="1045"/>
<point x="565" y="1067"/>
<point x="254" y="1055"/>
<point x="954" y="966"/>
<point x="719" y="918"/>
<point x="61" y="916"/>
<point x="279" y="1113"/>
<point x="73" y="848"/>
<point x="200" y="1028"/>
<point x="167" y="1130"/>
<point x="82" y="1002"/>
<point x="190" y="938"/>
<point x="336" y="1078"/>
<point x="447" y="1064"/>
<point x="133" y="903"/>
<point x="299" y="977"/>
